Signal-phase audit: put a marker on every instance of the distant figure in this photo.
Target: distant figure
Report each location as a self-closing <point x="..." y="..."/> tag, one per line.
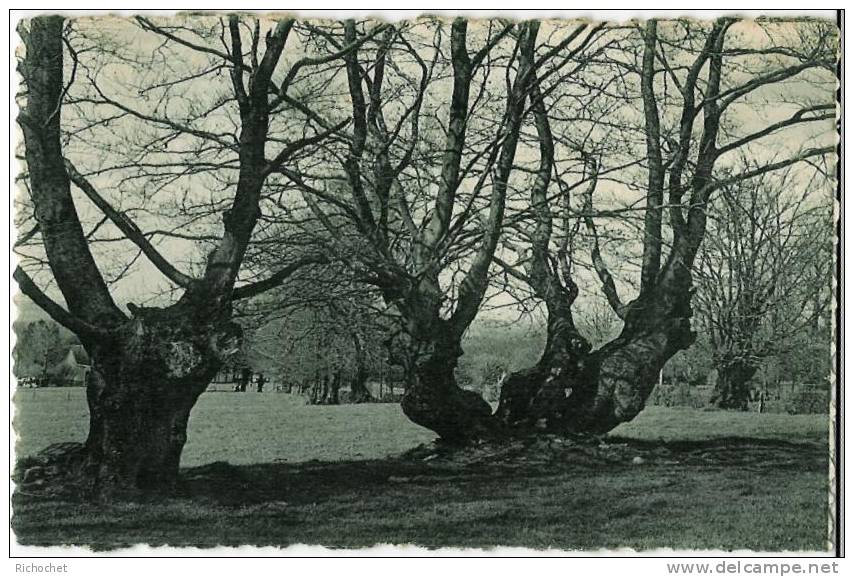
<point x="260" y="382"/>
<point x="245" y="377"/>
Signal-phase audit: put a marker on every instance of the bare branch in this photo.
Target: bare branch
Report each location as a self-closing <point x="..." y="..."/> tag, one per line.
<point x="128" y="228"/>
<point x="52" y="308"/>
<point x="277" y="279"/>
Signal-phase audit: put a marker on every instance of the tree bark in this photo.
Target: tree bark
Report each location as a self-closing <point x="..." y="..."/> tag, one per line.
<point x="145" y="380"/>
<point x="575" y="390"/>
<point x="538" y="397"/>
<point x="434" y="400"/>
<point x="618" y="378"/>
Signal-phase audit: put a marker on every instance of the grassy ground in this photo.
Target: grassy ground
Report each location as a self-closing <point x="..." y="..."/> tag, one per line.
<point x="240" y="428"/>
<point x="710" y="480"/>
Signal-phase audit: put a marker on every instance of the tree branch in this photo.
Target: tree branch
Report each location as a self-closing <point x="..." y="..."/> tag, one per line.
<point x="343" y="52"/>
<point x="293" y="147"/>
<point x="655" y="184"/>
<point x="275" y="280"/>
<point x="128" y="228"/>
<point x="53" y="309"/>
<point x="796" y="118"/>
<point x="609" y="288"/>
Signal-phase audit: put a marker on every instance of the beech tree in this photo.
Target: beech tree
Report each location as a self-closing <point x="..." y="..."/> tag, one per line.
<point x="39" y="347"/>
<point x="718" y="72"/>
<point x="150" y="364"/>
<point x="763" y="276"/>
<point x="419" y="196"/>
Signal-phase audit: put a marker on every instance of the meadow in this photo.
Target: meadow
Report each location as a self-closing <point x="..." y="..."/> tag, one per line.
<point x="266" y="469"/>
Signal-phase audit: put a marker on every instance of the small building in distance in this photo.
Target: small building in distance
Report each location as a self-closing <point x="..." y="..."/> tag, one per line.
<point x="73" y="370"/>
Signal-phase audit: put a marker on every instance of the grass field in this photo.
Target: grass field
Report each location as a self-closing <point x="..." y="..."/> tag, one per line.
<point x="266" y="469"/>
<point x="240" y="428"/>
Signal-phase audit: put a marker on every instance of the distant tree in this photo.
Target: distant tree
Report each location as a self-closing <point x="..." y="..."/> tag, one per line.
<point x="763" y="278"/>
<point x="39" y="347"/>
<point x="321" y="330"/>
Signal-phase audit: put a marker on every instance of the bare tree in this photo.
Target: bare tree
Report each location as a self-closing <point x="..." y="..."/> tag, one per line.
<point x="150" y="366"/>
<point x="319" y="327"/>
<point x="689" y="140"/>
<point x="426" y="221"/>
<point x="763" y="277"/>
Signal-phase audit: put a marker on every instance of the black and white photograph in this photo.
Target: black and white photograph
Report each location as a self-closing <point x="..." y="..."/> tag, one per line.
<point x="445" y="282"/>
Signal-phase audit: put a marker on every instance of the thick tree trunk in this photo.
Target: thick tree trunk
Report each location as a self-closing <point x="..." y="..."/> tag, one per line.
<point x="435" y="401"/>
<point x="574" y="390"/>
<point x="623" y="375"/>
<point x="732" y="388"/>
<point x="145" y="382"/>
<point x="538" y="397"/>
<point x="137" y="430"/>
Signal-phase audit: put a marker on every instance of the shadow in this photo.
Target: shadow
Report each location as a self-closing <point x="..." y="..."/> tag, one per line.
<point x="737" y="452"/>
<point x="317" y="481"/>
<point x="537" y="493"/>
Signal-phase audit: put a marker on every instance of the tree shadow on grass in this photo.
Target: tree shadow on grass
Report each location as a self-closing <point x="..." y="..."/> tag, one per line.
<point x="730" y="493"/>
<point x="738" y="452"/>
<point x="473" y="469"/>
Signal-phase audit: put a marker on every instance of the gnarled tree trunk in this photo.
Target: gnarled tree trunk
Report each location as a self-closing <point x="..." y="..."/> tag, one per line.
<point x="434" y="400"/>
<point x="593" y="392"/>
<point x="575" y="390"/>
<point x="538" y="397"/>
<point x="146" y="379"/>
<point x="619" y="377"/>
